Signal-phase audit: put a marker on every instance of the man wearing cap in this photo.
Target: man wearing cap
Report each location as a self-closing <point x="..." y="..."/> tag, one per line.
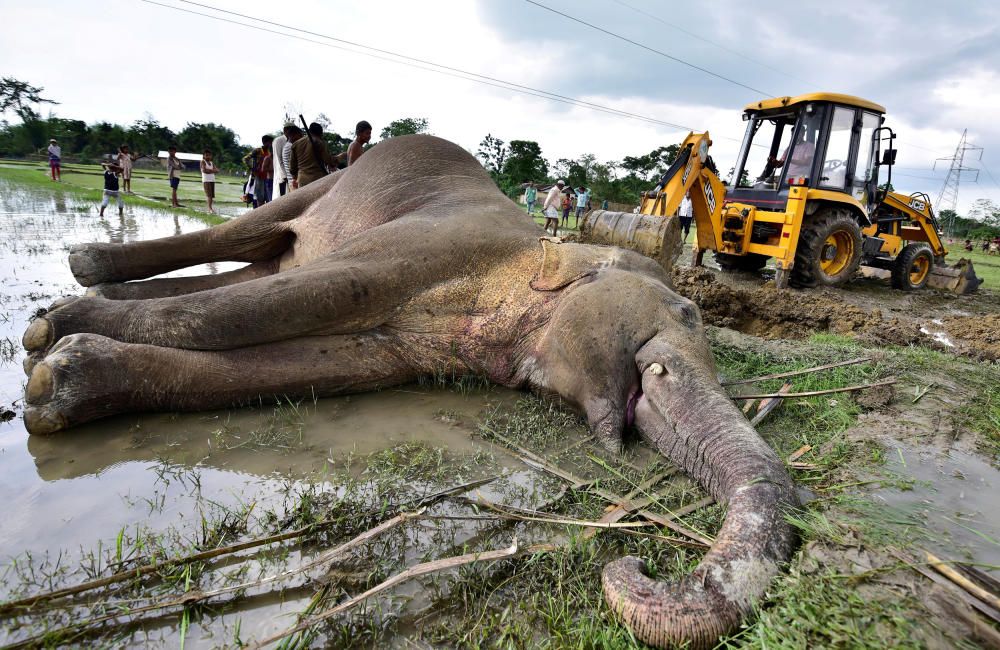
<point x="552" y="205"/>
<point x="55" y="156"/>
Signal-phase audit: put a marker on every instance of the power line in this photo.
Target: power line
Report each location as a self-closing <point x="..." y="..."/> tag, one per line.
<point x="648" y="48"/>
<point x="988" y="173"/>
<point x="713" y="43"/>
<point x="923" y="178"/>
<point x="436" y="67"/>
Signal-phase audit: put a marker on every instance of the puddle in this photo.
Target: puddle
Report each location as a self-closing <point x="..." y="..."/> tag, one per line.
<point x="958" y="497"/>
<point x="70" y="492"/>
<point x="940" y="337"/>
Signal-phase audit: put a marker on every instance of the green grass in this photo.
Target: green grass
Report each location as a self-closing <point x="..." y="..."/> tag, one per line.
<point x="987" y="266"/>
<point x="554" y="599"/>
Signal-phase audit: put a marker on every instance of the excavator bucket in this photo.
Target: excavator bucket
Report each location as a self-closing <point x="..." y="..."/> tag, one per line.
<point x="960" y="278"/>
<point x="655" y="237"/>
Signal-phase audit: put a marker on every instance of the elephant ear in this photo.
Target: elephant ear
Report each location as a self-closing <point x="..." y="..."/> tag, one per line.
<point x="565" y="263"/>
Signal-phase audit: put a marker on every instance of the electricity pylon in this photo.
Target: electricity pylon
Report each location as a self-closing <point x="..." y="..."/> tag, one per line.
<point x="948" y="197"/>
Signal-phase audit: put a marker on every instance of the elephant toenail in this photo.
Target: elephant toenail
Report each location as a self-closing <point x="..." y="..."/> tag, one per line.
<point x="40" y="385"/>
<point x="42" y="421"/>
<point x="38" y="335"/>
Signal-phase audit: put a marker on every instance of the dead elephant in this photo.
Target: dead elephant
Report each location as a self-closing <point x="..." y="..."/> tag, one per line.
<point x="410" y="263"/>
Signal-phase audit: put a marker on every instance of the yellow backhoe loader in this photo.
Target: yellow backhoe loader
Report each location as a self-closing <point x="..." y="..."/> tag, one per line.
<point x="805" y="190"/>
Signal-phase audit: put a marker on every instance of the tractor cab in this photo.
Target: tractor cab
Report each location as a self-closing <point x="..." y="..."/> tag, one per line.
<point x="822" y="141"/>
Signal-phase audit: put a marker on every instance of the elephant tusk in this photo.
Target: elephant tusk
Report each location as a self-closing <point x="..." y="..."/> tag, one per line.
<point x="656" y="368"/>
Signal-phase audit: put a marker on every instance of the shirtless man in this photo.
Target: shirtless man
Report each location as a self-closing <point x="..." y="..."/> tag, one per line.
<point x="362" y="135"/>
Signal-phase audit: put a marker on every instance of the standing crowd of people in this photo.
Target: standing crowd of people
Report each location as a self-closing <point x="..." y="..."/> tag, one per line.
<point x="560" y="202"/>
<point x="296" y="158"/>
<point x="279" y="165"/>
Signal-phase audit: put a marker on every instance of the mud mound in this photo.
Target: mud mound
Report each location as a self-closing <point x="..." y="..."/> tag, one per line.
<point x="766" y="312"/>
<point x="978" y="335"/>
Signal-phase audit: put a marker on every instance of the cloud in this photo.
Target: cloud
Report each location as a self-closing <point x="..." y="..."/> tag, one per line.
<point x="934" y="65"/>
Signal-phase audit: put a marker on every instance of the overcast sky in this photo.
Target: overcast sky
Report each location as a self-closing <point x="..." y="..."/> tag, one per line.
<point x="934" y="65"/>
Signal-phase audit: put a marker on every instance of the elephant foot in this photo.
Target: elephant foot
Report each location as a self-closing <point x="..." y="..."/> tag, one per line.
<point x="42" y="416"/>
<point x="41" y="334"/>
<point x="69" y="385"/>
<point x="92" y="263"/>
<point x="31" y="361"/>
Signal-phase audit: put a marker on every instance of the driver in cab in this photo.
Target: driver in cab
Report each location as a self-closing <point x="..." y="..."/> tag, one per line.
<point x="801" y="161"/>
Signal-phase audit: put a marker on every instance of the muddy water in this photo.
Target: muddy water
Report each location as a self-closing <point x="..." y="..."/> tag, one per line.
<point x="70" y="492"/>
<point x="956" y="495"/>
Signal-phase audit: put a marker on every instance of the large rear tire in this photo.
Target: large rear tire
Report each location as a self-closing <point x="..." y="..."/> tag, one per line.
<point x="748" y="262"/>
<point x="829" y="250"/>
<point x="912" y="267"/>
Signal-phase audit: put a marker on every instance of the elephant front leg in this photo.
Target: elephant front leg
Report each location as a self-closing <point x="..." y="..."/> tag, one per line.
<point x="326" y="297"/>
<point x="87" y="376"/>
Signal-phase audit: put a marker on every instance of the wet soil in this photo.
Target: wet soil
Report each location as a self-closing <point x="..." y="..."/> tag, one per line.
<point x="864" y="309"/>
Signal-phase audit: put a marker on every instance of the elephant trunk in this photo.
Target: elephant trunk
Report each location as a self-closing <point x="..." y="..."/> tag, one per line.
<point x="706" y="435"/>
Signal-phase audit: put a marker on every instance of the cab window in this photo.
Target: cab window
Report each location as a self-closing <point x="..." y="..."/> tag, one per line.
<point x="797" y="159"/>
<point x="833" y="174"/>
<point x="768" y="136"/>
<point x="867" y="154"/>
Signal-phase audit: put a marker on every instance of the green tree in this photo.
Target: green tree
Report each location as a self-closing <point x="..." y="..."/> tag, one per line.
<point x="493" y="153"/>
<point x="105" y="138"/>
<point x="148" y="137"/>
<point x="986" y="211"/>
<point x="652" y="165"/>
<point x="73" y="135"/>
<point x="405" y="126"/>
<point x="195" y="138"/>
<point x="20" y="97"/>
<point x="524" y="162"/>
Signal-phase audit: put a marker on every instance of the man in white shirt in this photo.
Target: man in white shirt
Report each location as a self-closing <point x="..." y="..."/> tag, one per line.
<point x="685" y="213"/>
<point x="280" y="174"/>
<point x="551" y="207"/>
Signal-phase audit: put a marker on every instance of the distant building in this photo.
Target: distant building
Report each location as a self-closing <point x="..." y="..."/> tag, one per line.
<point x="183" y="157"/>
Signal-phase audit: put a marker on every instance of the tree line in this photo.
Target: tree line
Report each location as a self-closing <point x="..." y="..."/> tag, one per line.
<point x="510" y="164"/>
<point x="146" y="136"/>
<point x="620" y="181"/>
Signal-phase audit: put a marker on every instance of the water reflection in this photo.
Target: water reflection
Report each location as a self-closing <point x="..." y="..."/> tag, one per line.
<point x="71" y="489"/>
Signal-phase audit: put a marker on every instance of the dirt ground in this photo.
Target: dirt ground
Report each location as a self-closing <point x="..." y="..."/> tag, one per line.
<point x="865" y="309"/>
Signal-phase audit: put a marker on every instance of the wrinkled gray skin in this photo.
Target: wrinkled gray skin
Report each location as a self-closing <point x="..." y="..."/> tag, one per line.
<point x="410" y="263"/>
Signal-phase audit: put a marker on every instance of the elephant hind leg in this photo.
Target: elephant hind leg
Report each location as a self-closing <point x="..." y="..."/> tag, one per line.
<point x="235" y="241"/>
<point x="257" y="236"/>
<point x="86" y="377"/>
<point x="167" y="287"/>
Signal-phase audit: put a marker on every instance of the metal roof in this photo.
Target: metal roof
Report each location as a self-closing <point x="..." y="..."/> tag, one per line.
<point x="187" y="157"/>
<point x="837" y="98"/>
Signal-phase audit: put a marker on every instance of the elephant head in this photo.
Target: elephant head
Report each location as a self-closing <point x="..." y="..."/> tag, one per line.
<point x="630" y="351"/>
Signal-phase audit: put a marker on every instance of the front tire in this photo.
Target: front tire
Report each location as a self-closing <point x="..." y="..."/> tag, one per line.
<point x="829" y="250"/>
<point x="912" y="267"/>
